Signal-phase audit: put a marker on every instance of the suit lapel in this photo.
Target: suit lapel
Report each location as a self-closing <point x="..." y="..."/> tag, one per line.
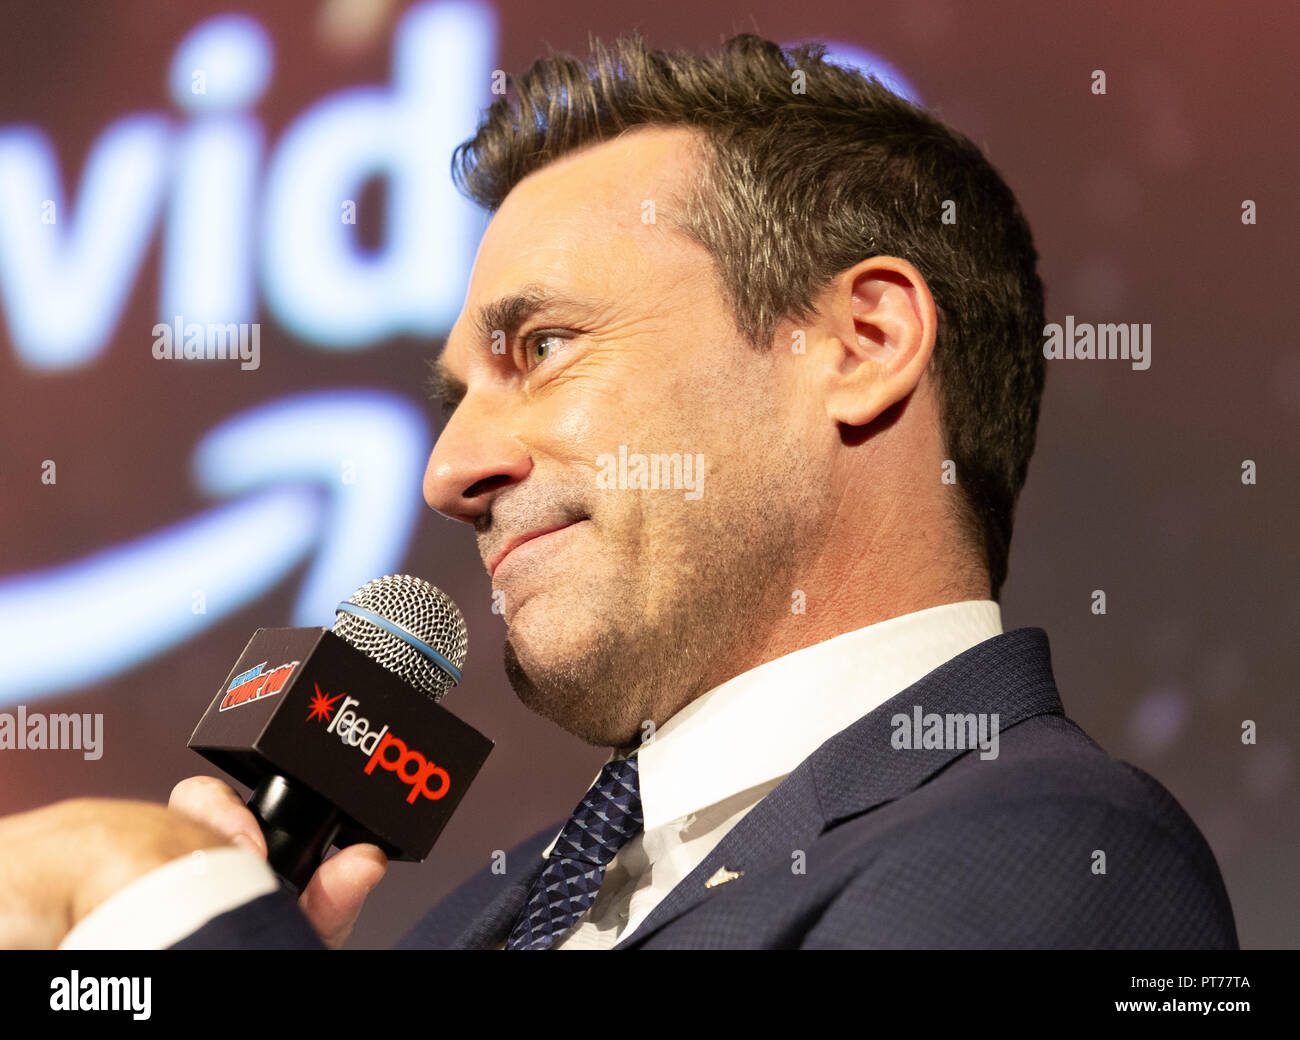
<point x="853" y="772"/>
<point x="490" y="929"/>
<point x="787" y="818"/>
<point x="858" y="769"/>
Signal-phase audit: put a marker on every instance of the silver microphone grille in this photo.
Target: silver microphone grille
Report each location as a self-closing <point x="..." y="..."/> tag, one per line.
<point x="422" y="614"/>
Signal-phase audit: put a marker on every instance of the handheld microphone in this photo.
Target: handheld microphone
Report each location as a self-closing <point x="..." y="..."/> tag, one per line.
<point x="340" y="732"/>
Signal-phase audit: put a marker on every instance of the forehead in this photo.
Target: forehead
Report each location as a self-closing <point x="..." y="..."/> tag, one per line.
<point x="589" y="225"/>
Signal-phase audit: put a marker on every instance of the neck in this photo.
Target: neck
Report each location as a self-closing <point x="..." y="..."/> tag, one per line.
<point x="879" y="584"/>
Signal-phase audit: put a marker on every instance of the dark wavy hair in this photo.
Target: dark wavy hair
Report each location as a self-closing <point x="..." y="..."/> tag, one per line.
<point x="810" y="167"/>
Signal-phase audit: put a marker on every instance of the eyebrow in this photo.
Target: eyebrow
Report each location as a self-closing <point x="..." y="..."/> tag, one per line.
<point x="506" y="315"/>
<point x="445" y="386"/>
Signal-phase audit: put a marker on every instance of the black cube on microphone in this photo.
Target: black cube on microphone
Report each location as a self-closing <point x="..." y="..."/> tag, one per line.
<point x="337" y="748"/>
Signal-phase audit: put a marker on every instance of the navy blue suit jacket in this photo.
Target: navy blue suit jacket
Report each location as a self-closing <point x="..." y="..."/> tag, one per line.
<point x="900" y="848"/>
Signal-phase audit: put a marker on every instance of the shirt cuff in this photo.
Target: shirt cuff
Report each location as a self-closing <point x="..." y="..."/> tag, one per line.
<point x="170" y="902"/>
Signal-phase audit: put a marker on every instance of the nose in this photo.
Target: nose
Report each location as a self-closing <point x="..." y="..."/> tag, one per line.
<point x="472" y="462"/>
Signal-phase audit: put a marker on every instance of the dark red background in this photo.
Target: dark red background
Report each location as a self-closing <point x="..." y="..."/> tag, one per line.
<point x="1135" y="200"/>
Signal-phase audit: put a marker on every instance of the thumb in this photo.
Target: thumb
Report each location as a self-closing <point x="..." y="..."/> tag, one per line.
<point x="333" y="898"/>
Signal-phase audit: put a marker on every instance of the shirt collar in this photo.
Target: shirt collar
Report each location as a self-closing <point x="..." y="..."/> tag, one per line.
<point x="760" y="725"/>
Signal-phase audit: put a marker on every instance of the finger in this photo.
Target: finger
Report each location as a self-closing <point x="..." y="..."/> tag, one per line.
<point x="333" y="898"/>
<point x="24" y="930"/>
<point x="215" y="803"/>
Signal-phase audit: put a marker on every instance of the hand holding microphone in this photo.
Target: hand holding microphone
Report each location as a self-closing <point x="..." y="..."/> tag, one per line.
<point x="343" y="741"/>
<point x="333" y="898"/>
<point x="341" y="737"/>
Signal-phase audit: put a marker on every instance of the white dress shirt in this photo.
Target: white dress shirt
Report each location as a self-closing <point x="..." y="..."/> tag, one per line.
<point x="704" y="769"/>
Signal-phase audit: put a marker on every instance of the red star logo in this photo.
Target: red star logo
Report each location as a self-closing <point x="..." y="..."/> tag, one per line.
<point x="322" y="707"/>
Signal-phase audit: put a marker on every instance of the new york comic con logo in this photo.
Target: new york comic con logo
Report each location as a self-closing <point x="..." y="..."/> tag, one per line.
<point x="255" y="684"/>
<point x="411" y="767"/>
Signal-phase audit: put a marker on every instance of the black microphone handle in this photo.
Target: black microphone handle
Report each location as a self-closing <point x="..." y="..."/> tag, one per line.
<point x="298" y="824"/>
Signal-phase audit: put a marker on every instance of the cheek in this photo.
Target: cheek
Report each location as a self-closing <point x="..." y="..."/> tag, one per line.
<point x="574" y="431"/>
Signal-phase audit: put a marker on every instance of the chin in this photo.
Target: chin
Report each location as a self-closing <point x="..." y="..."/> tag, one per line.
<point x="553" y="691"/>
<point x="550" y="645"/>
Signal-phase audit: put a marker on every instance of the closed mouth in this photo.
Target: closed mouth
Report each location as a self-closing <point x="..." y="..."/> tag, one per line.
<point x="514" y="543"/>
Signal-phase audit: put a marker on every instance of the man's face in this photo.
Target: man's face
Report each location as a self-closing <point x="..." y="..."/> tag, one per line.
<point x="640" y="599"/>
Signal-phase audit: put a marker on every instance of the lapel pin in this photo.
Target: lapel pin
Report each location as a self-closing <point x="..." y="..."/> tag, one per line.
<point x="722" y="876"/>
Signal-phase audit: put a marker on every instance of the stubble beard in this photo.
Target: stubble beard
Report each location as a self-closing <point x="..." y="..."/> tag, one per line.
<point x="636" y="670"/>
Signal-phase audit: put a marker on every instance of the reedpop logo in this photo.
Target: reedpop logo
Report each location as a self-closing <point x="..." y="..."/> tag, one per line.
<point x="412" y="767"/>
<point x="678" y="471"/>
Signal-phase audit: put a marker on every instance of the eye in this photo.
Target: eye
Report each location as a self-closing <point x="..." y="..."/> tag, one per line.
<point x="538" y="347"/>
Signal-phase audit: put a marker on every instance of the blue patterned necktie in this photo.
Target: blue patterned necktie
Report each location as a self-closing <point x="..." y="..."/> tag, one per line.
<point x="604" y="821"/>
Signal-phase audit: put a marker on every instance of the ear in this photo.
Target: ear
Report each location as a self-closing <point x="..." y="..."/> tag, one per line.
<point x="880" y="325"/>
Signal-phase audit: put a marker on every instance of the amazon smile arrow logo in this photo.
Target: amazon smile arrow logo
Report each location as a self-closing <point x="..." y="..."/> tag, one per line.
<point x="335" y="476"/>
